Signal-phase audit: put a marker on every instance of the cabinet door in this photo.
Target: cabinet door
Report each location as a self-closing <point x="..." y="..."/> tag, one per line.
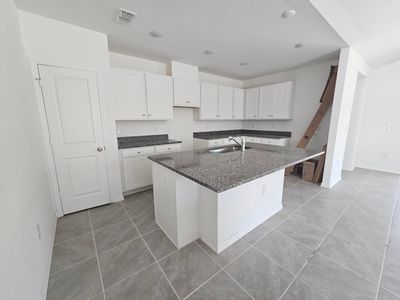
<point x="194" y="93"/>
<point x="251" y="103"/>
<point x="225" y="102"/>
<point x="266" y="102"/>
<point x="181" y="92"/>
<point x="238" y="104"/>
<point x="137" y="172"/>
<point x="283" y="100"/>
<point x="209" y="101"/>
<point x="129" y="94"/>
<point x="159" y="97"/>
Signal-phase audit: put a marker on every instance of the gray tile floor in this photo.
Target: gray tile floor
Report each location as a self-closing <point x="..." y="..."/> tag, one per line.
<point x="340" y="243"/>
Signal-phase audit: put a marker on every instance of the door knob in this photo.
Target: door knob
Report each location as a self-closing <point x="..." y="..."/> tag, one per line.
<point x="99" y="149"/>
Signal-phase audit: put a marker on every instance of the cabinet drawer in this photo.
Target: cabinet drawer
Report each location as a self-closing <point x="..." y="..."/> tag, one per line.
<point x="137" y="151"/>
<point x="167" y="148"/>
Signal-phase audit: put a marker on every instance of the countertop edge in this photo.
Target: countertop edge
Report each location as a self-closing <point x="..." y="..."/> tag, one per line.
<point x="241" y="182"/>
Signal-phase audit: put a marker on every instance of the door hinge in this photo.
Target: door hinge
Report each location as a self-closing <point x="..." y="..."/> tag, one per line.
<point x="39" y="81"/>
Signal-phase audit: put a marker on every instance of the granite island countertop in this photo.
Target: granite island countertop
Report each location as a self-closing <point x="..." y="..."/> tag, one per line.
<point x="220" y="134"/>
<point x="144" y="141"/>
<point x="222" y="171"/>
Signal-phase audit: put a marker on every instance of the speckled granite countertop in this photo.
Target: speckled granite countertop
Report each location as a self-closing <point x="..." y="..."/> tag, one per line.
<point x="144" y="141"/>
<point x="222" y="171"/>
<point x="211" y="135"/>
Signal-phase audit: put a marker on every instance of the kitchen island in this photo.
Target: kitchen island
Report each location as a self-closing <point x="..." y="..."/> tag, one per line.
<point x="220" y="195"/>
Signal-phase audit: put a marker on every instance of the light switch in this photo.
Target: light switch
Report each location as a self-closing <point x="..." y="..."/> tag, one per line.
<point x="390" y="127"/>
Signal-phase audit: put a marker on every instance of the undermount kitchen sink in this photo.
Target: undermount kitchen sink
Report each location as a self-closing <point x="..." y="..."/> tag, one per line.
<point x="226" y="149"/>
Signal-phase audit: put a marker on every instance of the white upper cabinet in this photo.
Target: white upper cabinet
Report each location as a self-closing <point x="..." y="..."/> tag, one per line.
<point x="275" y="102"/>
<point x="225" y="102"/>
<point x="283" y="100"/>
<point x="140" y="96"/>
<point x="238" y="104"/>
<point x="129" y="94"/>
<point x="251" y="104"/>
<point x="266" y="102"/>
<point x="159" y="97"/>
<point x="186" y="93"/>
<point x="209" y="101"/>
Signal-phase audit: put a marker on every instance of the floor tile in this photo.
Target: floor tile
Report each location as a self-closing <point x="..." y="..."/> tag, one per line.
<point x="391" y="276"/>
<point x="114" y="235"/>
<point x="146" y="223"/>
<point x="257" y="233"/>
<point x="299" y="290"/>
<point x="98" y="297"/>
<point x="293" y="199"/>
<point x="148" y="194"/>
<point x="285" y="251"/>
<point x="335" y="281"/>
<point x="299" y="230"/>
<point x="228" y="254"/>
<point x="81" y="281"/>
<point x="72" y="251"/>
<point x="148" y="284"/>
<point x="386" y="295"/>
<point x="362" y="260"/>
<point x="259" y="275"/>
<point x="188" y="268"/>
<point x="107" y="215"/>
<point x="118" y="263"/>
<point x="72" y="225"/>
<point x="139" y="206"/>
<point x="322" y="218"/>
<point x="393" y="249"/>
<point x="307" y="189"/>
<point x="220" y="287"/>
<point x="159" y="243"/>
<point x="363" y="234"/>
<point x="279" y="217"/>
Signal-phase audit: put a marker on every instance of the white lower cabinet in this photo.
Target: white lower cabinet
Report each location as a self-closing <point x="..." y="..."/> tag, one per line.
<point x="136" y="167"/>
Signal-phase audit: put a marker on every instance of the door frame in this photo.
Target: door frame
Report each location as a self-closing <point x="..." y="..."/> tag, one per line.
<point x="47" y="149"/>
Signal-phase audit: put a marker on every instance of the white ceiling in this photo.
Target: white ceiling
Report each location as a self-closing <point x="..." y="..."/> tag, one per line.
<point x="237" y="30"/>
<point x="379" y="26"/>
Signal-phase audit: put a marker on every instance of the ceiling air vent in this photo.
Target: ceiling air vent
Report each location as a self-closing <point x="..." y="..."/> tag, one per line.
<point x="125" y="17"/>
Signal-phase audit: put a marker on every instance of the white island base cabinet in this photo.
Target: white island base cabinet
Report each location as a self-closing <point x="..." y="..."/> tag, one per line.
<point x="187" y="211"/>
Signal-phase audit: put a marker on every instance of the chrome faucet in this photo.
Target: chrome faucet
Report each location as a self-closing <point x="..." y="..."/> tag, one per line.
<point x="242" y="143"/>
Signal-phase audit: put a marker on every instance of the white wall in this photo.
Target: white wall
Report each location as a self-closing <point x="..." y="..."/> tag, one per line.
<point x="349" y="162"/>
<point x="351" y="66"/>
<point x="182" y="126"/>
<point x="379" y="146"/>
<point x="310" y="82"/>
<point x="56" y="43"/>
<point x="25" y="195"/>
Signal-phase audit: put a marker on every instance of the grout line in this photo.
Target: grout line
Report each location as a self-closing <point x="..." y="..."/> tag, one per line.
<point x="70" y="266"/>
<point x="204" y="283"/>
<point x="228" y="264"/>
<point x="151" y="253"/>
<point x="97" y="257"/>
<point x="387" y="241"/>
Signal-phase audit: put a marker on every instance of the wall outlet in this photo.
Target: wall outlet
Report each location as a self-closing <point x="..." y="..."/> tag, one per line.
<point x="39" y="233"/>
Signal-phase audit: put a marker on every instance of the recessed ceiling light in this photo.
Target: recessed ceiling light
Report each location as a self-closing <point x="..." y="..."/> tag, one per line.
<point x="299" y="45"/>
<point x="288" y="13"/>
<point x="155" y="34"/>
<point x="243" y="63"/>
<point x="208" y="52"/>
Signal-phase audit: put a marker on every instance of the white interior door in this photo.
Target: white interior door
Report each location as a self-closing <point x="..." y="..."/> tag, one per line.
<point x="73" y="112"/>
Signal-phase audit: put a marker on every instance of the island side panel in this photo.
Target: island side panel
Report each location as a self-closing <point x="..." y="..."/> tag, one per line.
<point x="245" y="207"/>
<point x="176" y="204"/>
<point x="165" y="209"/>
